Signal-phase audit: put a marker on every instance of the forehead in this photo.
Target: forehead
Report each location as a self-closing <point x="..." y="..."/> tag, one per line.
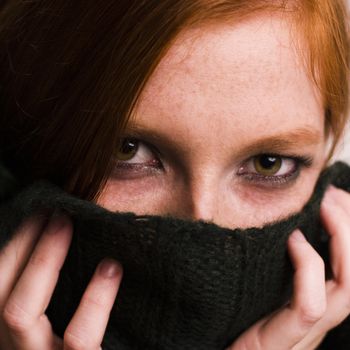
<point x="247" y="76"/>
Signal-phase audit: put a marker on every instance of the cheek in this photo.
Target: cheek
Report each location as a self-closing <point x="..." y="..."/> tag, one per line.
<point x="258" y="207"/>
<point x="238" y="206"/>
<point x="146" y="196"/>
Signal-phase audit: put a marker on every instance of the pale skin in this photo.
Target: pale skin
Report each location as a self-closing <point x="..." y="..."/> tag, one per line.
<point x="221" y="96"/>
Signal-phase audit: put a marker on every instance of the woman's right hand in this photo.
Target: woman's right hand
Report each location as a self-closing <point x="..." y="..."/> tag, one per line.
<point x="29" y="270"/>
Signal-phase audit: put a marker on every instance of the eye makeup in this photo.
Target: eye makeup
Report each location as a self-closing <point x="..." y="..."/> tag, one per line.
<point x="296" y="164"/>
<point x="128" y="169"/>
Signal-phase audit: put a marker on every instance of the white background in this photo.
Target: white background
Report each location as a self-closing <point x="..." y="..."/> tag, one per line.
<point x="343" y="151"/>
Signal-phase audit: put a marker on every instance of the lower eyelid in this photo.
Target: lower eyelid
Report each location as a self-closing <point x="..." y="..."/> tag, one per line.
<point x="272" y="181"/>
<point x="129" y="171"/>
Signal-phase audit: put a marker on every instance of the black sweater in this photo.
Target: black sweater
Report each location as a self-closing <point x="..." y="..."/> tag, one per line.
<point x="186" y="284"/>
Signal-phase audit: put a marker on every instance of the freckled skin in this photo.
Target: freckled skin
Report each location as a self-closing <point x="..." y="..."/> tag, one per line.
<point x="220" y="88"/>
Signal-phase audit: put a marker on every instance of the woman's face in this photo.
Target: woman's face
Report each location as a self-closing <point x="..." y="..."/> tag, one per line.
<point x="219" y="129"/>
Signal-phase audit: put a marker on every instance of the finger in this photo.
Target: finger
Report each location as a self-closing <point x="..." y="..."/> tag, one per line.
<point x="290" y="324"/>
<point x="14" y="256"/>
<point x="88" y="325"/>
<point x="335" y="216"/>
<point x="308" y="303"/>
<point x="25" y="308"/>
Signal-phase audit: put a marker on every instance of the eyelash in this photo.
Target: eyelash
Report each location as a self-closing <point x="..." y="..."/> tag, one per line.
<point x="155" y="166"/>
<point x="300" y="162"/>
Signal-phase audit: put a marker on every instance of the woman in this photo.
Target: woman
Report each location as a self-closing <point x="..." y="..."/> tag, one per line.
<point x="219" y="110"/>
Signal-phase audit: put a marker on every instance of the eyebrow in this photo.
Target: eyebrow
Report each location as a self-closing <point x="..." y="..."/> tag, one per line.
<point x="282" y="142"/>
<point x="300" y="137"/>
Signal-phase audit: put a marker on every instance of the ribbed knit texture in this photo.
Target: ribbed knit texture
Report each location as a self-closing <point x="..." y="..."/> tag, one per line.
<point x="187" y="285"/>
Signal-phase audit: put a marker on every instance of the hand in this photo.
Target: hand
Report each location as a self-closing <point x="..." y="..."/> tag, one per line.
<point x="317" y="305"/>
<point x="29" y="270"/>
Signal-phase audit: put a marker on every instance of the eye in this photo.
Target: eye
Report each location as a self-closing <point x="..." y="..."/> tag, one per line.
<point x="269" y="165"/>
<point x="127" y="149"/>
<point x="133" y="151"/>
<point x="136" y="156"/>
<point x="265" y="168"/>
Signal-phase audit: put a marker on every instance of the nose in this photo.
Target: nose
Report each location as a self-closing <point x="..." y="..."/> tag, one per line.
<point x="199" y="199"/>
<point x="204" y="204"/>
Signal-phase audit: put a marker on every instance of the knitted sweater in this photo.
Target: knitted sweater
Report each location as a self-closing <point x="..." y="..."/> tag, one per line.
<point x="187" y="285"/>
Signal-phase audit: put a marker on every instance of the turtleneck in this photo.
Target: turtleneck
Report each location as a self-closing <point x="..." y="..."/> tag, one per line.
<point x="186" y="284"/>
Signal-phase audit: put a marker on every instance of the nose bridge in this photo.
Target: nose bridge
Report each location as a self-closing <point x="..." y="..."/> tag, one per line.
<point x="203" y="192"/>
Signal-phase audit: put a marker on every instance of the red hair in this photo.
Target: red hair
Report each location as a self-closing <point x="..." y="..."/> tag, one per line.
<point x="71" y="73"/>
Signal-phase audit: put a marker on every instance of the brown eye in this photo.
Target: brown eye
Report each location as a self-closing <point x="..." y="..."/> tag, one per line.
<point x="127" y="149"/>
<point x="267" y="165"/>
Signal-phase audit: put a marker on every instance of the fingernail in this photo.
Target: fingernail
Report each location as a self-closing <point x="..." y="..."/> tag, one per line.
<point x="298" y="236"/>
<point x="331" y="195"/>
<point x="109" y="268"/>
<point x="57" y="222"/>
<point x="332" y="189"/>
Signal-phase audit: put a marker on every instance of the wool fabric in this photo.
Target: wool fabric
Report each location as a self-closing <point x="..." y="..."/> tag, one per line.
<point x="189" y="285"/>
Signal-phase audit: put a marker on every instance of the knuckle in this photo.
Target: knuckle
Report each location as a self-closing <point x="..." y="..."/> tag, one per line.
<point x="309" y="315"/>
<point x="38" y="260"/>
<point x="248" y="342"/>
<point x="346" y="300"/>
<point x="41" y="261"/>
<point x="75" y="341"/>
<point x="344" y="286"/>
<point x="94" y="301"/>
<point x="319" y="263"/>
<point x="314" y="262"/>
<point x="16" y="319"/>
<point x="256" y="342"/>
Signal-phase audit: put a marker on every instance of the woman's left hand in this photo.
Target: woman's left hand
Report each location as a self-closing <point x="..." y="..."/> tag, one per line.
<point x="317" y="305"/>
